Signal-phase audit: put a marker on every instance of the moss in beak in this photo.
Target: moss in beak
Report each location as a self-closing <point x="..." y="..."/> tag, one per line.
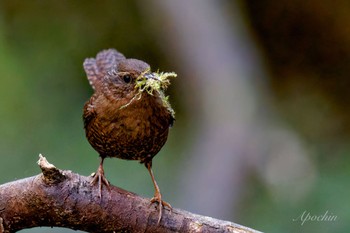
<point x="156" y="82"/>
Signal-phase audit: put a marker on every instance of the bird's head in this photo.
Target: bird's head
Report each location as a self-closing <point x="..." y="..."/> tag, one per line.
<point x="132" y="77"/>
<point x="121" y="79"/>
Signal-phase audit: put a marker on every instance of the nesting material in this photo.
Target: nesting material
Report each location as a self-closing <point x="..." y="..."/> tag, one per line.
<point x="156" y="82"/>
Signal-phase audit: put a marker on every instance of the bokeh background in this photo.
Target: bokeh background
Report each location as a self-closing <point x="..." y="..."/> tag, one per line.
<point x="262" y="101"/>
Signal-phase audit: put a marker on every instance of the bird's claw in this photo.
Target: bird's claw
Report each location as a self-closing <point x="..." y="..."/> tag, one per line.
<point x="158" y="198"/>
<point x="100" y="178"/>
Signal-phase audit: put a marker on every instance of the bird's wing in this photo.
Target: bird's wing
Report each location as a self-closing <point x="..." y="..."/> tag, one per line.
<point x="97" y="68"/>
<point x="89" y="112"/>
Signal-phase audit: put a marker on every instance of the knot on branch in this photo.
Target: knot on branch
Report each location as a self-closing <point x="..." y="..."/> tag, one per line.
<point x="51" y="175"/>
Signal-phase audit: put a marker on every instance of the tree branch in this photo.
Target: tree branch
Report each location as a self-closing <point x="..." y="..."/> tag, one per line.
<point x="65" y="199"/>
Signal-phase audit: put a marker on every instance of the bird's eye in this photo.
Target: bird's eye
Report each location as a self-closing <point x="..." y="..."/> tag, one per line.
<point x="127" y="78"/>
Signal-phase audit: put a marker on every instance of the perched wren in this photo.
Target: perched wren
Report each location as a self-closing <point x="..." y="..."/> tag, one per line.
<point x="128" y="116"/>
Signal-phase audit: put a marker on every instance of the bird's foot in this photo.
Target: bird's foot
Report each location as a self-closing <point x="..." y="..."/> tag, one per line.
<point x="158" y="198"/>
<point x="99" y="177"/>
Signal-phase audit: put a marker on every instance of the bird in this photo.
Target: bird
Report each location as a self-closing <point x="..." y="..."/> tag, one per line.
<point x="122" y="121"/>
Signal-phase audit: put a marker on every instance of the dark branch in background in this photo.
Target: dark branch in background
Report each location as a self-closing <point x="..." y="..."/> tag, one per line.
<point x="65" y="199"/>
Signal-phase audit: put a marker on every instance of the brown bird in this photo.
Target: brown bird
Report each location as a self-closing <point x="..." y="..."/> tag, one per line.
<point x="122" y="121"/>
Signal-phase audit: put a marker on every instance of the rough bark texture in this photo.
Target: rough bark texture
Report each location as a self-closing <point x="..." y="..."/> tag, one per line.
<point x="65" y="199"/>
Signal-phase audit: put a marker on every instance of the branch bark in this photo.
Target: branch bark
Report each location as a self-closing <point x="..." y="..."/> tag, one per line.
<point x="64" y="199"/>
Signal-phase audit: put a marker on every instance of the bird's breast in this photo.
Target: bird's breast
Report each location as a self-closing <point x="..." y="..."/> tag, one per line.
<point x="136" y="131"/>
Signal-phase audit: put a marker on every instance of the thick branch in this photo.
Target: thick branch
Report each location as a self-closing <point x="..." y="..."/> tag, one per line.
<point x="65" y="199"/>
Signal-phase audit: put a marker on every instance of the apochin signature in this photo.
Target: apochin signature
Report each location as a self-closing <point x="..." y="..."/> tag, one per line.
<point x="310" y="217"/>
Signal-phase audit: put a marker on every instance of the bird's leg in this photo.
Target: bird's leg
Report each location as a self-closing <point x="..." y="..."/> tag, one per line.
<point x="99" y="177"/>
<point x="157" y="195"/>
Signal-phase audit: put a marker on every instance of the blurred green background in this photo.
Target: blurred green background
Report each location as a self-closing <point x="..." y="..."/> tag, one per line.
<point x="261" y="100"/>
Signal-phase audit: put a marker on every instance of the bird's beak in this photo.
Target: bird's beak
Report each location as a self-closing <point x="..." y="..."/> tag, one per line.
<point x="151" y="76"/>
